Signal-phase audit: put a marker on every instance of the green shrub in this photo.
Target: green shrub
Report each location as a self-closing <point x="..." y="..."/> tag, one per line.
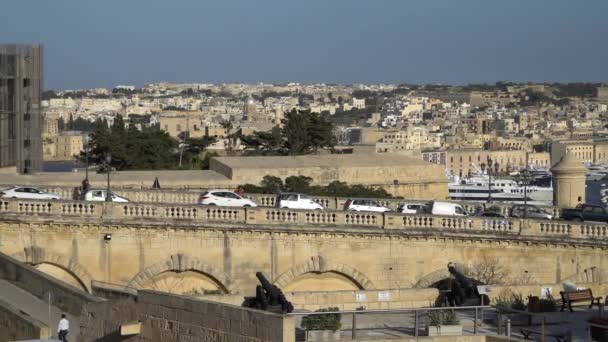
<point x="508" y="300"/>
<point x="443" y="317"/>
<point x="323" y="322"/>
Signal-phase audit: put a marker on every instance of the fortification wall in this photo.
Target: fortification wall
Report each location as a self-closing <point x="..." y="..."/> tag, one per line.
<point x="14" y="325"/>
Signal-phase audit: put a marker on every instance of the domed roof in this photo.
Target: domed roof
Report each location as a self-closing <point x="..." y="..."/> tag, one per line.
<point x="569" y="163"/>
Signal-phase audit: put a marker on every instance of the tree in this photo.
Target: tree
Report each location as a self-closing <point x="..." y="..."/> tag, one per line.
<point x="298" y="184"/>
<point x="295" y="132"/>
<point x="488" y="272"/>
<point x="304" y="132"/>
<point x="265" y="142"/>
<point x="272" y="184"/>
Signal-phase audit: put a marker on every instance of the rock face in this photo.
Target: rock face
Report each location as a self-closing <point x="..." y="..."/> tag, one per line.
<point x="568" y="182"/>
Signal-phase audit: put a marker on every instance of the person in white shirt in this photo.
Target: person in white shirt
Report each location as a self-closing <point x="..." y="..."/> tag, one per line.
<point x="62" y="329"/>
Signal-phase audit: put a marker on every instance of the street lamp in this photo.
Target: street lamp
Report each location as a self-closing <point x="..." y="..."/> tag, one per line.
<point x="489" y="168"/>
<point x="87" y="140"/>
<point x="524" y="178"/>
<point x="108" y="168"/>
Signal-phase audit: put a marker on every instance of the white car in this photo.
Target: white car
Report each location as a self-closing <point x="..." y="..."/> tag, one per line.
<point x="409" y="208"/>
<point x="225" y="198"/>
<point x="99" y="195"/>
<point x="27" y="192"/>
<point x="292" y="200"/>
<point x="363" y="204"/>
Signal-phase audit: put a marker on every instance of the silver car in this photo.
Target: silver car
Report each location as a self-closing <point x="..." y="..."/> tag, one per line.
<point x="529" y="211"/>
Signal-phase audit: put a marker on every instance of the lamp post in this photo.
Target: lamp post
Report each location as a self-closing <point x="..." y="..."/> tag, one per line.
<point x="489" y="167"/>
<point x="525" y="179"/>
<point x="108" y="168"/>
<point x="87" y="140"/>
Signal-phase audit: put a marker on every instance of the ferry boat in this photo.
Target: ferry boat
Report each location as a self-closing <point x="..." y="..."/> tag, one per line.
<point x="476" y="188"/>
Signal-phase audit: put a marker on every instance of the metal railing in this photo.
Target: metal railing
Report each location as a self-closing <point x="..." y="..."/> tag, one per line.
<point x="354" y="324"/>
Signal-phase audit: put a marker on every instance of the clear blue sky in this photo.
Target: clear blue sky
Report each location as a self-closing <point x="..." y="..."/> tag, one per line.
<point x="110" y="42"/>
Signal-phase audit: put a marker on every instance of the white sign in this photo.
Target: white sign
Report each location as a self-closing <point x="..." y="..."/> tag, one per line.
<point x="483" y="290"/>
<point x="384" y="296"/>
<point x="361" y="297"/>
<point x="546" y="292"/>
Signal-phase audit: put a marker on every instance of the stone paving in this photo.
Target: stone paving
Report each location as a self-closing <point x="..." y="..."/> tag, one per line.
<point x="397" y="325"/>
<point x="36" y="308"/>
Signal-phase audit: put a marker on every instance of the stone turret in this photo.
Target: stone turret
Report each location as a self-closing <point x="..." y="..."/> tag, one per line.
<point x="569" y="176"/>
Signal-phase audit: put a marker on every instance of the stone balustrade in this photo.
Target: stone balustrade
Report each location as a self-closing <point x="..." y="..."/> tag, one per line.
<point x="265" y="200"/>
<point x="268" y="216"/>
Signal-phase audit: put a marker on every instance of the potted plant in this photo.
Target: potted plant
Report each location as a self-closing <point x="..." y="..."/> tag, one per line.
<point x="323" y="327"/>
<point x="443" y="323"/>
<point x="599" y="334"/>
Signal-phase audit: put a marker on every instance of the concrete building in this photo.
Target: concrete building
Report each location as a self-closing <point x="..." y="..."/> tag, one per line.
<point x="20" y="114"/>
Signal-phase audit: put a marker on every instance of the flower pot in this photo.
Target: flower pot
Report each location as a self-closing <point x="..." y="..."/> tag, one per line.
<point x="323" y="335"/>
<point x="599" y="334"/>
<point x="444" y="330"/>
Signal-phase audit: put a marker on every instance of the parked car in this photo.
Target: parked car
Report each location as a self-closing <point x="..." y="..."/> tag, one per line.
<point x="409" y="208"/>
<point x="586" y="212"/>
<point x="224" y="198"/>
<point x="27" y="192"/>
<point x="489" y="214"/>
<point x="443" y="208"/>
<point x="100" y="195"/>
<point x="531" y="211"/>
<point x="293" y="200"/>
<point x="363" y="204"/>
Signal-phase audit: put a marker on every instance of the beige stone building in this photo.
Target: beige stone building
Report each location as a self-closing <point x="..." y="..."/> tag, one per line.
<point x="600" y="152"/>
<point x="463" y="162"/>
<point x="583" y="150"/>
<point x="400" y="175"/>
<point x="175" y="123"/>
<point x="68" y="144"/>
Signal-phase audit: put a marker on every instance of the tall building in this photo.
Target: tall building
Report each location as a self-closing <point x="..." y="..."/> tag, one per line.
<point x="20" y="112"/>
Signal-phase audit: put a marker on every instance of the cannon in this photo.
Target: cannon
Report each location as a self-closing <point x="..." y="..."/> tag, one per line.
<point x="458" y="290"/>
<point x="268" y="297"/>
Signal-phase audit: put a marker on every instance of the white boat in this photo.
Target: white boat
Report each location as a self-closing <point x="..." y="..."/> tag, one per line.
<point x="476" y="188"/>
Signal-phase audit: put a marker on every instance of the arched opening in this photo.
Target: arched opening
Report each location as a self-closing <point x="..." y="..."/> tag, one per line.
<point x="61" y="274"/>
<point x="322" y="281"/>
<point x="189" y="282"/>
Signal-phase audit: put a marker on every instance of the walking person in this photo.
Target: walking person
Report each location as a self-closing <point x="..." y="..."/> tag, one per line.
<point x="62" y="329"/>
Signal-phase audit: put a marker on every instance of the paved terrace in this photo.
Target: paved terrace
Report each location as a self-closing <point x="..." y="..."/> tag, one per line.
<point x="273" y="218"/>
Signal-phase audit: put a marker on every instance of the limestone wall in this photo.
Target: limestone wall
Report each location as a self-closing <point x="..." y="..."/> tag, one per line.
<point x="167" y="318"/>
<point x="216" y="249"/>
<point x="14" y="325"/>
<point x="65" y="297"/>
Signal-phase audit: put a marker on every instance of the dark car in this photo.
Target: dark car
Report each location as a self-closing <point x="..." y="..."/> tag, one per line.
<point x="586" y="212"/>
<point x="489" y="214"/>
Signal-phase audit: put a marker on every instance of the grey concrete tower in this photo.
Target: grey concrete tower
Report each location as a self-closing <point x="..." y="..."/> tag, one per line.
<point x="20" y="112"/>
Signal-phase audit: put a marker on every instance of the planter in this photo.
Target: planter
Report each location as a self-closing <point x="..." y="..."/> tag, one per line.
<point x="323" y="335"/>
<point x="599" y="334"/>
<point x="444" y="330"/>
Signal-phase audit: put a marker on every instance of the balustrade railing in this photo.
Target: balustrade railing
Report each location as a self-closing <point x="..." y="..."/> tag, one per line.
<point x="282" y="217"/>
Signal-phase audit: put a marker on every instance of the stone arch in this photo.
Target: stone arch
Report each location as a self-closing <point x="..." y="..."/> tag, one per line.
<point x="182" y="263"/>
<point x="35" y="255"/>
<point x="432" y="278"/>
<point x="319" y="264"/>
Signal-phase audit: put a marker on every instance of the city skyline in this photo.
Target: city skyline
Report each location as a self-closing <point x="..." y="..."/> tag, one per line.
<point x="102" y="45"/>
